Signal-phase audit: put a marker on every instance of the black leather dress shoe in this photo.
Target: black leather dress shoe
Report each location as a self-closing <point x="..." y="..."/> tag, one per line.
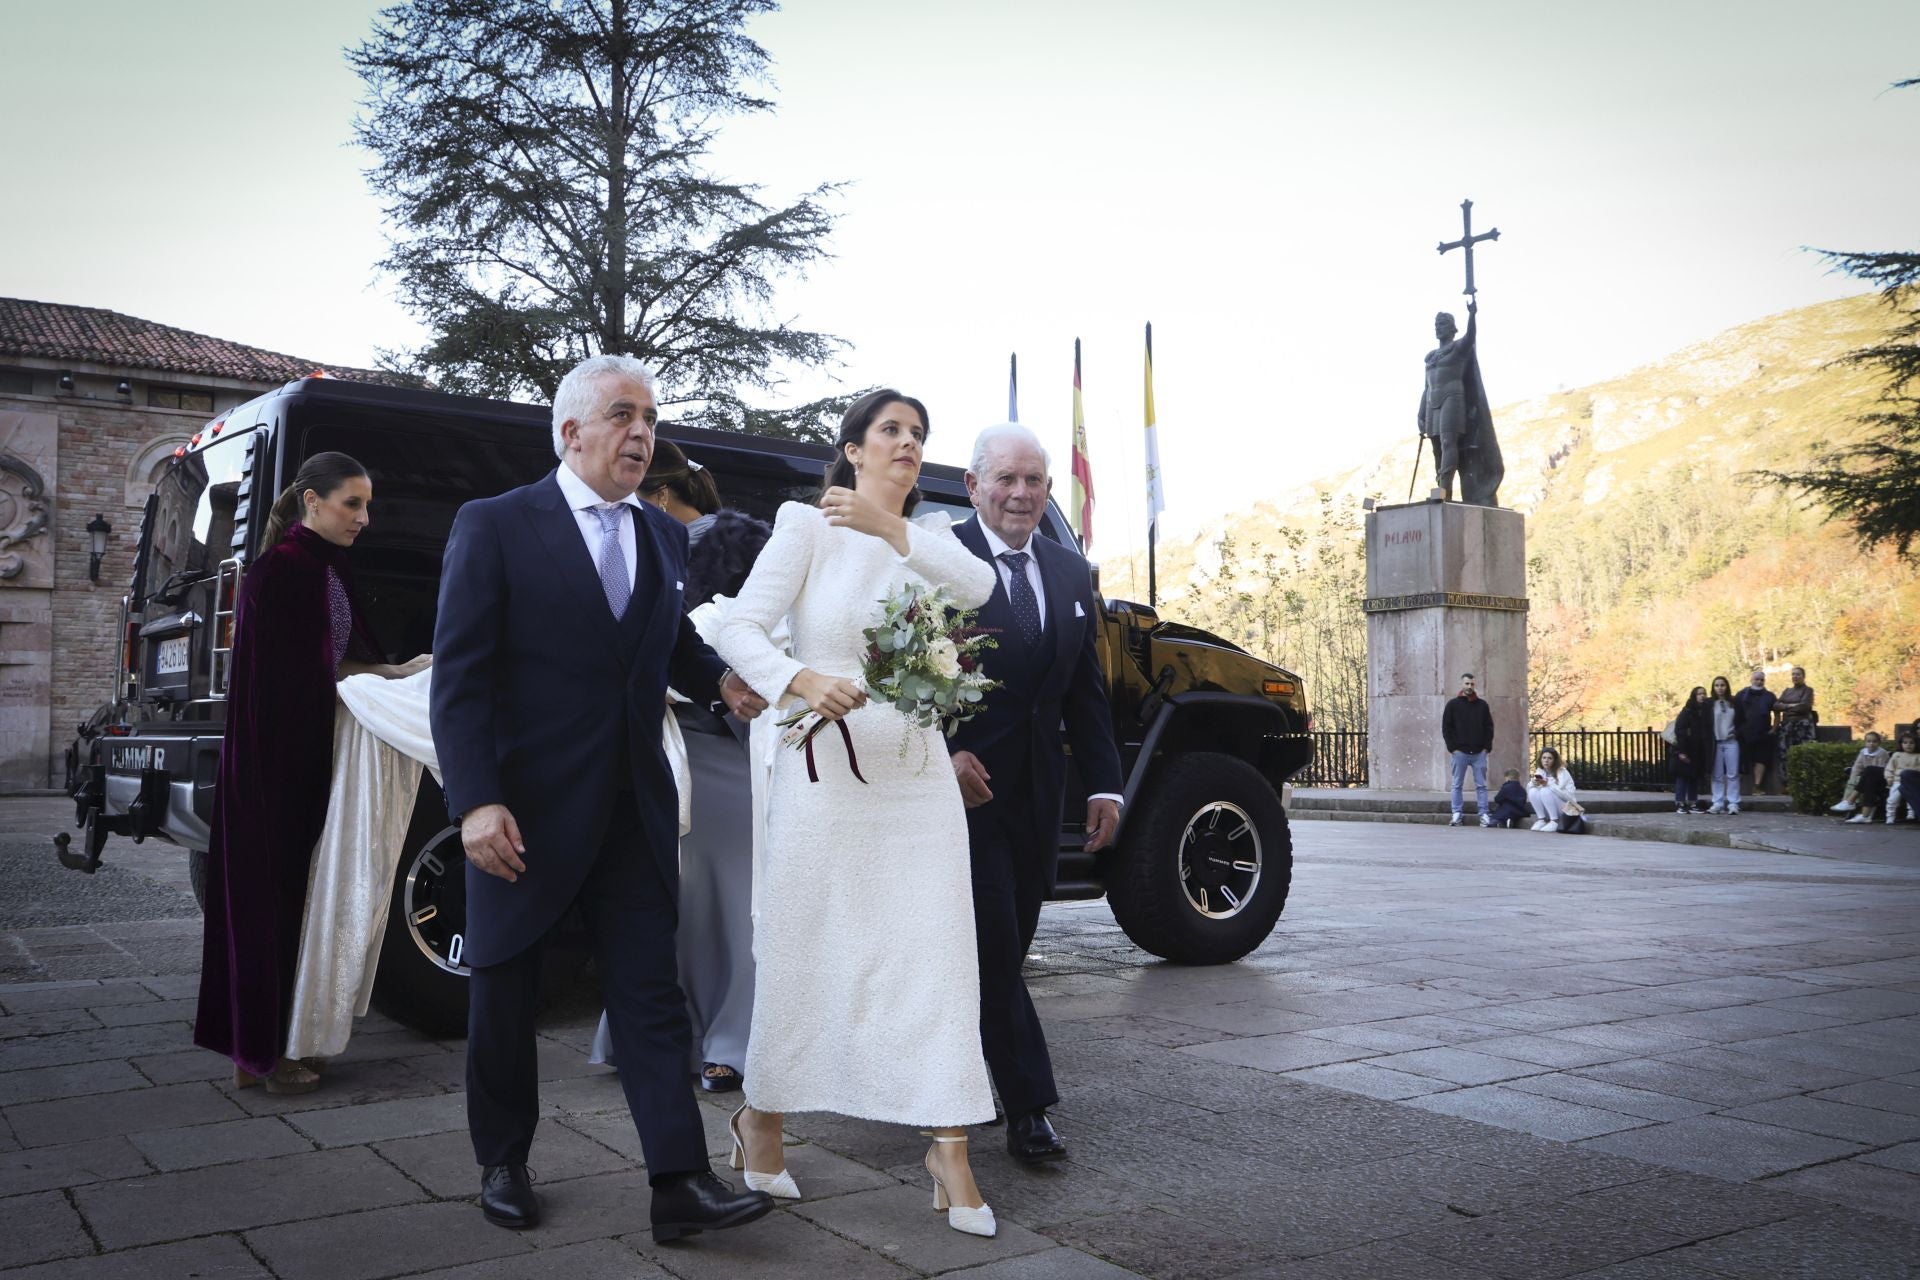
<point x="506" y="1196"/>
<point x="1031" y="1139"/>
<point x="689" y="1203"/>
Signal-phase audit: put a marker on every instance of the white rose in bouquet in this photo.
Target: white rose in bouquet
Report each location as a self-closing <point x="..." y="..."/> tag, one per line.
<point x="943" y="655"/>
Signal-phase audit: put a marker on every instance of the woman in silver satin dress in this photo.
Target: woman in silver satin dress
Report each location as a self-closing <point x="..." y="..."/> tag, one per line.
<point x="716" y="854"/>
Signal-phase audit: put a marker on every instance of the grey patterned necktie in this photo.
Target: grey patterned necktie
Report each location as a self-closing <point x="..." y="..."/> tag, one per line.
<point x="611" y="563"/>
<point x="1026" y="609"/>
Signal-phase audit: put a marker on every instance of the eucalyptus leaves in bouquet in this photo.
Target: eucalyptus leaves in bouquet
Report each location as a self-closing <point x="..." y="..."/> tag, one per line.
<point x="923" y="656"/>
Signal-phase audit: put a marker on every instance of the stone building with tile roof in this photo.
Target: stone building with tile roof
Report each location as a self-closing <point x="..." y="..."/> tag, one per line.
<point x="92" y="405"/>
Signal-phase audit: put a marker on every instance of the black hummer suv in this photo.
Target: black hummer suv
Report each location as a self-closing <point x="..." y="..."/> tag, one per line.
<point x="1208" y="735"/>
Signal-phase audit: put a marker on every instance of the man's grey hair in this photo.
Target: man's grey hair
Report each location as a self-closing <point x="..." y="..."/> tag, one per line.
<point x="1005" y="433"/>
<point x="577" y="396"/>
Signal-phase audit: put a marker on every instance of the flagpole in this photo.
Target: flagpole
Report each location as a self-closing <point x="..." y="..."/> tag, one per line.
<point x="1153" y="590"/>
<point x="1013" y="387"/>
<point x="1156" y="499"/>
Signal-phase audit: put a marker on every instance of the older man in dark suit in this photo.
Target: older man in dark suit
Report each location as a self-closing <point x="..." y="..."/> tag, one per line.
<point x="558" y="632"/>
<point x="1010" y="761"/>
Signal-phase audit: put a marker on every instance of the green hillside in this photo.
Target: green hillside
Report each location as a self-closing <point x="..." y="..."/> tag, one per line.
<point x="1653" y="564"/>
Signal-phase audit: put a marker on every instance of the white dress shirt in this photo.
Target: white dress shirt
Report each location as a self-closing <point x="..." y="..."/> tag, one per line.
<point x="996" y="547"/>
<point x="581" y="500"/>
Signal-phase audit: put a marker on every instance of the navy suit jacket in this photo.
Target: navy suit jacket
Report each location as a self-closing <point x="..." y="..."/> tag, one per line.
<point x="545" y="703"/>
<point x="1059" y="682"/>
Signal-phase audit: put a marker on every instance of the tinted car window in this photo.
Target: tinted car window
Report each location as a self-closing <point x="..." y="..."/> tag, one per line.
<point x="422" y="472"/>
<point x="757" y="483"/>
<point x="193" y="511"/>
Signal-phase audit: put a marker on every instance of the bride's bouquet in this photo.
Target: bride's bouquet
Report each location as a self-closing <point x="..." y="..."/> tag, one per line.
<point x="923" y="657"/>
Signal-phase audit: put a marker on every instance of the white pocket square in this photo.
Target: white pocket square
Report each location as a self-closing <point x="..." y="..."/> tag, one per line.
<point x="1078" y="612"/>
<point x="679" y="586"/>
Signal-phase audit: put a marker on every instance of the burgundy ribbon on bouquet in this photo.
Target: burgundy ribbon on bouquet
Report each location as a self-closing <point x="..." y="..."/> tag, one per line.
<point x="853" y="761"/>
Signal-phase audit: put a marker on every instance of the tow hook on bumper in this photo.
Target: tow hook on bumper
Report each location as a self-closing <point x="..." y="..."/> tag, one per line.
<point x="98" y="826"/>
<point x="87" y="862"/>
<point x="91" y="816"/>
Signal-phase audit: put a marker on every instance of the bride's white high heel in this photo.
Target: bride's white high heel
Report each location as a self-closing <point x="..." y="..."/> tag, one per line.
<point x="780" y="1186"/>
<point x="976" y="1221"/>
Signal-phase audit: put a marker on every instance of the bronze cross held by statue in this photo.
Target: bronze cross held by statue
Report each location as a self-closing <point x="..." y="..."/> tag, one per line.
<point x="1467" y="240"/>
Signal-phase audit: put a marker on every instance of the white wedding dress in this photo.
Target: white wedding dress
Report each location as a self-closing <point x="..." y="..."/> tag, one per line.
<point x="867" y="999"/>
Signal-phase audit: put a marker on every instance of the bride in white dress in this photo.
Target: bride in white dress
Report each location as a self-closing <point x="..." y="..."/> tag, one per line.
<point x="867" y="1000"/>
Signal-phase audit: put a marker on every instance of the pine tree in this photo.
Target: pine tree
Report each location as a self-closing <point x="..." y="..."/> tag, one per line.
<point x="543" y="168"/>
<point x="1874" y="484"/>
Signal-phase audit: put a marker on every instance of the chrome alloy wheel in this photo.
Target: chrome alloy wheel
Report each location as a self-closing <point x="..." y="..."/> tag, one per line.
<point x="435" y="900"/>
<point x="1220" y="860"/>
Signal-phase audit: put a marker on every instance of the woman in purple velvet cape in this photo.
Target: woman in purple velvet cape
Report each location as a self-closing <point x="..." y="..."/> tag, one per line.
<point x="296" y="625"/>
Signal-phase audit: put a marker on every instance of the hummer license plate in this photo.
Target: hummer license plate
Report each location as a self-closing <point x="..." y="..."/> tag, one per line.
<point x="171" y="656"/>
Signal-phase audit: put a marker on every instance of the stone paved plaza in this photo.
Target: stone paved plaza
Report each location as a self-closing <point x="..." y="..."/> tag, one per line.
<point x="1464" y="1054"/>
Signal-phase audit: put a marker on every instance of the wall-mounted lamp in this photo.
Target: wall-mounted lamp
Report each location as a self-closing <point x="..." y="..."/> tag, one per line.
<point x="123" y="389"/>
<point x="97" y="531"/>
<point x="66" y="384"/>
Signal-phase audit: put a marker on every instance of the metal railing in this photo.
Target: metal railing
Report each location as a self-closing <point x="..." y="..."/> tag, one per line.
<point x="1339" y="760"/>
<point x="1610" y="759"/>
<point x="1599" y="759"/>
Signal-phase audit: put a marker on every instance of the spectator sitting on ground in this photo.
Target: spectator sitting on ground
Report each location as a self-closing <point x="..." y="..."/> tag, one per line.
<point x="1509" y="802"/>
<point x="1871" y="760"/>
<point x="1903" y="778"/>
<point x="1550" y="790"/>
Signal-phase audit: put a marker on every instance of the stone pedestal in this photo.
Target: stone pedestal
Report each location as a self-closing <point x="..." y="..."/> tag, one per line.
<point x="1446" y="594"/>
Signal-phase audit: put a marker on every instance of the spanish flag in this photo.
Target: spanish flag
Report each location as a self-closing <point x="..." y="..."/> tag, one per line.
<point x="1080" y="498"/>
<point x="1156" y="494"/>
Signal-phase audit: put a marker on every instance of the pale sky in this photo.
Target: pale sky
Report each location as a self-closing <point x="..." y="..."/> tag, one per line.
<point x="1265" y="182"/>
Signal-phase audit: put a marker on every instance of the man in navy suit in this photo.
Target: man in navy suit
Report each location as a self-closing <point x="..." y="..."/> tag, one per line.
<point x="558" y="632"/>
<point x="1010" y="763"/>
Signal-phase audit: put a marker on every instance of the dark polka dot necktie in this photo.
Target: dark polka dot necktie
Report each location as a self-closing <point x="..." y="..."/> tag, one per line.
<point x="1026" y="609"/>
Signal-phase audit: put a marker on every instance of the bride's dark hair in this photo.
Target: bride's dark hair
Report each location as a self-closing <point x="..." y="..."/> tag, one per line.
<point x="853" y="430"/>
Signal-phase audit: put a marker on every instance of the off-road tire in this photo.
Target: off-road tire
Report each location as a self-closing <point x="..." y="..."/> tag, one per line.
<point x="1198" y="800"/>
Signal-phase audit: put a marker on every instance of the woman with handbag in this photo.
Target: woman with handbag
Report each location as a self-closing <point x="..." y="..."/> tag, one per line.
<point x="1551" y="792"/>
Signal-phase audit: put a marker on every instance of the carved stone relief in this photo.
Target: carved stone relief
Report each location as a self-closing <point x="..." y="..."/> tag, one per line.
<point x="28" y="458"/>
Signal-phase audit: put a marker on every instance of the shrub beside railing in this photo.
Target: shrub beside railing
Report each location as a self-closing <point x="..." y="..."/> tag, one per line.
<point x="1817" y="774"/>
